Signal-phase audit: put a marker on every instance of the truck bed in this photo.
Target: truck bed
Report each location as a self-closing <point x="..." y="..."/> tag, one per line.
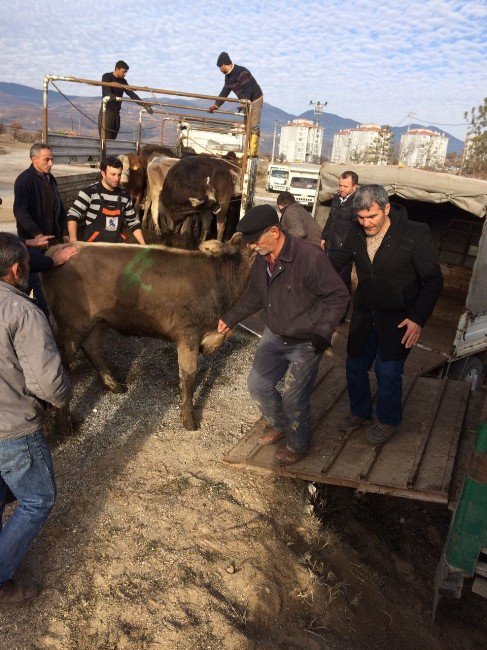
<point x="416" y="463"/>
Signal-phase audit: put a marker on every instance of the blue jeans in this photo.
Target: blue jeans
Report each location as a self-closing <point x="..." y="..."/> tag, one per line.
<point x="289" y="412"/>
<point x="389" y="383"/>
<point x="26" y="469"/>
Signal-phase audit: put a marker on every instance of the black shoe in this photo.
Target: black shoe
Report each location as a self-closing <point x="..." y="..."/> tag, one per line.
<point x="11" y="593"/>
<point x="352" y="423"/>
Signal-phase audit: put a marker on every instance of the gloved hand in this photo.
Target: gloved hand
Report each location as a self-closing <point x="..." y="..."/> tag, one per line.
<point x="213" y="108"/>
<point x="320" y="344"/>
<point x="149" y="109"/>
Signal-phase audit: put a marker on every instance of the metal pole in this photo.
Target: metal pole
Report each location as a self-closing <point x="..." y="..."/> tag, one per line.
<point x="139" y="139"/>
<point x="103" y="134"/>
<point x="274" y="141"/>
<point x="45" y="85"/>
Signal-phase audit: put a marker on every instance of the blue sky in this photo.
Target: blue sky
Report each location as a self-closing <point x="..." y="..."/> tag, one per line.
<point x="371" y="61"/>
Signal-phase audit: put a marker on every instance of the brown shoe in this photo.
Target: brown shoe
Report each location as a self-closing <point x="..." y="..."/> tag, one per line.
<point x="271" y="437"/>
<point x="11" y="593"/>
<point x="285" y="456"/>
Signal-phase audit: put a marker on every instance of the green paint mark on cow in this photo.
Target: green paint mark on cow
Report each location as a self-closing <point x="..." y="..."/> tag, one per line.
<point x="132" y="275"/>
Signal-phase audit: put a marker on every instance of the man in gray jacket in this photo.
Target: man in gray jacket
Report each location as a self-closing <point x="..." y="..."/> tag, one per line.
<point x="296" y="220"/>
<point x="31" y="377"/>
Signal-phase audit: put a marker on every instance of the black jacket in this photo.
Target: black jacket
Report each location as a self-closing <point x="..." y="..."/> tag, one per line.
<point x="109" y="91"/>
<point x="305" y="295"/>
<point x="403" y="281"/>
<point x="29" y="207"/>
<point x="243" y="84"/>
<point x="338" y="223"/>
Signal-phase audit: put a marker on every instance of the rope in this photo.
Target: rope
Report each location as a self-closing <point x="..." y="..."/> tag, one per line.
<point x="74" y="105"/>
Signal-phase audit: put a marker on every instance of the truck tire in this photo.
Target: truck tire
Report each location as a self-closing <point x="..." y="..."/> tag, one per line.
<point x="472" y="371"/>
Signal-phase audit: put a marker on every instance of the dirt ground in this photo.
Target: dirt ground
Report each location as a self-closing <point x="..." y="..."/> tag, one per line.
<point x="154" y="543"/>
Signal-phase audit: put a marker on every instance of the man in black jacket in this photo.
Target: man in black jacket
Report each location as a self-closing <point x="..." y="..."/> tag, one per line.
<point x="112" y="110"/>
<point x="244" y="85"/>
<point x="399" y="282"/>
<point x="339" y="221"/>
<point x="38" y="208"/>
<point x="304" y="299"/>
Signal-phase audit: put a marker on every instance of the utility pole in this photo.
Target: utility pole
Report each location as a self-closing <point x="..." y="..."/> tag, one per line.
<point x="410" y="115"/>
<point x="318" y="109"/>
<point x="274" y="141"/>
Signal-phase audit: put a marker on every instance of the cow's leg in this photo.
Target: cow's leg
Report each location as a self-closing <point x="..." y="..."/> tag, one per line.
<point x="154" y="208"/>
<point x="206" y="219"/>
<point x="187" y="361"/>
<point x="68" y="346"/>
<point x="92" y="347"/>
<point x="221" y="218"/>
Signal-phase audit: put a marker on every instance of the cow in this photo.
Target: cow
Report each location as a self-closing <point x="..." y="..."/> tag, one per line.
<point x="133" y="178"/>
<point x="195" y="189"/>
<point x="152" y="291"/>
<point x="157" y="170"/>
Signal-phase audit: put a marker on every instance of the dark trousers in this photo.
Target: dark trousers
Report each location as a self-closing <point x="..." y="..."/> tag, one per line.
<point x="112" y="124"/>
<point x="290" y="410"/>
<point x="389" y="383"/>
<point x="36" y="287"/>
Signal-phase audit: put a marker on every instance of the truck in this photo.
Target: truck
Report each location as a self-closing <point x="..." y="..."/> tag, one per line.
<point x="302" y="183"/>
<point x="277" y="177"/>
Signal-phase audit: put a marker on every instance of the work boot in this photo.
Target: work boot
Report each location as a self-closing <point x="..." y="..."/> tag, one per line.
<point x="271" y="437"/>
<point x="11" y="593"/>
<point x="352" y="423"/>
<point x="380" y="433"/>
<point x="254" y="145"/>
<point x="285" y="456"/>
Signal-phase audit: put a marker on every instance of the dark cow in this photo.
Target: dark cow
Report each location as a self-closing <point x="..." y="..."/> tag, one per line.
<point x="147" y="291"/>
<point x="195" y="189"/>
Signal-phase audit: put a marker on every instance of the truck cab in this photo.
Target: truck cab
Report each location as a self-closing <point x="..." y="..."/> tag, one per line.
<point x="277" y="177"/>
<point x="302" y="183"/>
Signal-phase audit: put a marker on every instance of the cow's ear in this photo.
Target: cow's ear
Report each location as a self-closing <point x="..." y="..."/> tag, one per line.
<point x="236" y="239"/>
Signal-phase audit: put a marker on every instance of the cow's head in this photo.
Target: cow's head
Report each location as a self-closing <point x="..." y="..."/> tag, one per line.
<point x="208" y="200"/>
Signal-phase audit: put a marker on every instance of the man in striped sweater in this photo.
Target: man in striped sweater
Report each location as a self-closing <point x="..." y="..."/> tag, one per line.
<point x="103" y="208"/>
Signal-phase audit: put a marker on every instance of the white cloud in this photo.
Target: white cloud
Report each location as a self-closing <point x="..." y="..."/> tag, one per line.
<point x="368" y="60"/>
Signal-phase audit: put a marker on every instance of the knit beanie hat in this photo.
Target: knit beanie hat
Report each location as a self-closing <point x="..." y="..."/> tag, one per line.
<point x="223" y="59"/>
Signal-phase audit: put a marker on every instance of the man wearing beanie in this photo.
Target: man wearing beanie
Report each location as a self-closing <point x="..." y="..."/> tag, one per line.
<point x="242" y="83"/>
<point x="303" y="297"/>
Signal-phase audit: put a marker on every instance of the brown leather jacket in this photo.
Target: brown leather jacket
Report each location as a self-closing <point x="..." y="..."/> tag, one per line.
<point x="304" y="296"/>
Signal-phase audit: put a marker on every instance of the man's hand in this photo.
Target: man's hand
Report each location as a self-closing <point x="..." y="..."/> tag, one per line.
<point x="39" y="241"/>
<point x="412" y="334"/>
<point x="213" y="108"/>
<point x="323" y="244"/>
<point x="62" y="255"/>
<point x="222" y="327"/>
<point x="149" y="109"/>
<point x="319" y="342"/>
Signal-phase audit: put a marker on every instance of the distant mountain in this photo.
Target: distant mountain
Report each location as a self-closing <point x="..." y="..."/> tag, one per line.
<point x="23" y="104"/>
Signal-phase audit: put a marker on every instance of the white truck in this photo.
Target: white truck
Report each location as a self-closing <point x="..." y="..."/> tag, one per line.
<point x="277" y="177"/>
<point x="302" y="183"/>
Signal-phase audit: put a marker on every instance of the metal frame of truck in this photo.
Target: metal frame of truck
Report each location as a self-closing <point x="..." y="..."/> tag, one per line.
<point x="64" y="145"/>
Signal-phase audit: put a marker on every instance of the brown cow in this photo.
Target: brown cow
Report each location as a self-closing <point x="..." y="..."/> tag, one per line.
<point x="147" y="291"/>
<point x="133" y="177"/>
<point x="197" y="187"/>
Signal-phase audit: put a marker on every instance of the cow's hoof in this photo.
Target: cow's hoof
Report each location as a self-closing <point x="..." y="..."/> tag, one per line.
<point x="189" y="422"/>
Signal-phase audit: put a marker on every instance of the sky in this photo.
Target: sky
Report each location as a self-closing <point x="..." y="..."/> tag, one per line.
<point x="371" y="61"/>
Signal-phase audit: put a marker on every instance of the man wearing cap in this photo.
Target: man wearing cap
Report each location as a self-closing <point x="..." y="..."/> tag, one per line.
<point x="112" y="110"/>
<point x="304" y="300"/>
<point x="239" y="80"/>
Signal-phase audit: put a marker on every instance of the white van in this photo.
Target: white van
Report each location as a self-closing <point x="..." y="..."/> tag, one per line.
<point x="277" y="177"/>
<point x="303" y="182"/>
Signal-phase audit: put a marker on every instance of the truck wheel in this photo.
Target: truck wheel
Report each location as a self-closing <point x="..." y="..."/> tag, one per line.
<point x="471" y="371"/>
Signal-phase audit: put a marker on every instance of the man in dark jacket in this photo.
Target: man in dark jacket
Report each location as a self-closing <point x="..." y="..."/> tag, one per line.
<point x="296" y="220"/>
<point x="339" y="221"/>
<point x="38" y="208"/>
<point x="244" y="85"/>
<point x="112" y="110"/>
<point x="304" y="300"/>
<point x="399" y="282"/>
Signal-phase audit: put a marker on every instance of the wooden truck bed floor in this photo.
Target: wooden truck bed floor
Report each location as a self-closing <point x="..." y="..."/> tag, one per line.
<point x="417" y="462"/>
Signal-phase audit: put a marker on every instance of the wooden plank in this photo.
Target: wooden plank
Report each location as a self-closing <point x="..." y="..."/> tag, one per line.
<point x="425" y="432"/>
<point x="479" y="587"/>
<point x="481" y="569"/>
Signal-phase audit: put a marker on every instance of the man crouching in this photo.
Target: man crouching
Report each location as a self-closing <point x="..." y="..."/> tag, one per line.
<point x="31" y="376"/>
